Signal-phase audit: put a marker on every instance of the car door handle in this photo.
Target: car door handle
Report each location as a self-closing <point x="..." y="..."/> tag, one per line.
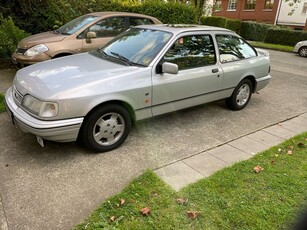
<point x="215" y="70"/>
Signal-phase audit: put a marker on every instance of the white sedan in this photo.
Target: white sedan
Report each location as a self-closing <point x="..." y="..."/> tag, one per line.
<point x="301" y="48"/>
<point x="144" y="72"/>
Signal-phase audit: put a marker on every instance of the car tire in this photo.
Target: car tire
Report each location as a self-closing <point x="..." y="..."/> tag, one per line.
<point x="240" y="96"/>
<point x="106" y="128"/>
<point x="303" y="51"/>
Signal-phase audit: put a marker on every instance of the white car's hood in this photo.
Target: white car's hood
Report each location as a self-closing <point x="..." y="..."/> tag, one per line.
<point x="73" y="74"/>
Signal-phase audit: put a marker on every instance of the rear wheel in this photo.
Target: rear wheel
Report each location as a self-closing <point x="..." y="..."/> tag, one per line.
<point x="303" y="51"/>
<point x="106" y="128"/>
<point x="240" y="96"/>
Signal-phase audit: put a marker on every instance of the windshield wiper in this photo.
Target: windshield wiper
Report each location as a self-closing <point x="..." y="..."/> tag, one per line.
<point x="121" y="57"/>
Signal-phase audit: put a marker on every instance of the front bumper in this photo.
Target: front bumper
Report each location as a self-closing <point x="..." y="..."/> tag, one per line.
<point x="60" y="130"/>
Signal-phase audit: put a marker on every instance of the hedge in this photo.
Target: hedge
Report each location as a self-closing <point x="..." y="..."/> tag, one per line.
<point x="38" y="16"/>
<point x="285" y="36"/>
<point x="254" y="31"/>
<point x="231" y="24"/>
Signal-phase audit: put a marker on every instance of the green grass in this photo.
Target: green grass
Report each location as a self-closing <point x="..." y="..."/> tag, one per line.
<point x="272" y="46"/>
<point x="2" y="107"/>
<point x="233" y="198"/>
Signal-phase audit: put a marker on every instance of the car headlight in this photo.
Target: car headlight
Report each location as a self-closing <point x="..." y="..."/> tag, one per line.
<point x="38" y="49"/>
<point x="40" y="108"/>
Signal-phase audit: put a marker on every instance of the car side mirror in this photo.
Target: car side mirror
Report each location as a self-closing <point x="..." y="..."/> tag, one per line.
<point x="170" y="68"/>
<point x="90" y="35"/>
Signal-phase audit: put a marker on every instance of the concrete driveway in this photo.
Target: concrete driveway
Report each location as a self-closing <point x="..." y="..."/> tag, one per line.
<point x="56" y="187"/>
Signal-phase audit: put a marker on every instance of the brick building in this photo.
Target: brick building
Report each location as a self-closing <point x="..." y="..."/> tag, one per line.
<point x="277" y="12"/>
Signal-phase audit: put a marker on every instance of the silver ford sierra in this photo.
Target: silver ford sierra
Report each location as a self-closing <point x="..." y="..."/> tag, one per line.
<point x="144" y="72"/>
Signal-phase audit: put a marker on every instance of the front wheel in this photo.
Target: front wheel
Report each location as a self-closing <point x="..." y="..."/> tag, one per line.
<point x="106" y="128"/>
<point x="303" y="51"/>
<point x="240" y="96"/>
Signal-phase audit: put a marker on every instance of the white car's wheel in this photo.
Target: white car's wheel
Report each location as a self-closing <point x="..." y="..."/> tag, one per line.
<point x="303" y="51"/>
<point x="106" y="128"/>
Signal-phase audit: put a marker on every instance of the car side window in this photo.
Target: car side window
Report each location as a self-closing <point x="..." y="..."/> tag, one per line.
<point x="232" y="48"/>
<point x="192" y="52"/>
<point x="109" y="27"/>
<point x="134" y="21"/>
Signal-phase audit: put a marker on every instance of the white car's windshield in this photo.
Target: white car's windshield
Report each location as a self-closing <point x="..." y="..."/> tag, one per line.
<point x="137" y="46"/>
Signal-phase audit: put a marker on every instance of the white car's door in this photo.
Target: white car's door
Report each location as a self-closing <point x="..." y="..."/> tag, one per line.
<point x="199" y="78"/>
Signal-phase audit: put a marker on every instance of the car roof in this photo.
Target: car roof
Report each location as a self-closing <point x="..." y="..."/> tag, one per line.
<point x="179" y="28"/>
<point x="116" y="13"/>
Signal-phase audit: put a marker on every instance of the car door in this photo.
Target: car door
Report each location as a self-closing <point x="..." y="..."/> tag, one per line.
<point x="199" y="78"/>
<point x="105" y="30"/>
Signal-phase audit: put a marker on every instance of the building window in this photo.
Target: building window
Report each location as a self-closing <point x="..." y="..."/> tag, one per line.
<point x="218" y="5"/>
<point x="250" y="4"/>
<point x="268" y="5"/>
<point x="232" y="4"/>
<point x="304" y="11"/>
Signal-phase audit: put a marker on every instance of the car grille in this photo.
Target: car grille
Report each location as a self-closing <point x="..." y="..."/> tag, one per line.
<point x="17" y="96"/>
<point x="21" y="50"/>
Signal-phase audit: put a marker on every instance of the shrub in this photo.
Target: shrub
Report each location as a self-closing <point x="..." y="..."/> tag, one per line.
<point x="10" y="35"/>
<point x="254" y="31"/>
<point x="234" y="25"/>
<point x="285" y="36"/>
<point x="214" y="21"/>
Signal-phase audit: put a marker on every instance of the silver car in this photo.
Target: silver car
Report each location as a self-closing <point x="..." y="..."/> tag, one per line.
<point x="301" y="48"/>
<point x="144" y="72"/>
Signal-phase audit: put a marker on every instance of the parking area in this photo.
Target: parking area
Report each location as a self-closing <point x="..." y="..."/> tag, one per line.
<point x="58" y="186"/>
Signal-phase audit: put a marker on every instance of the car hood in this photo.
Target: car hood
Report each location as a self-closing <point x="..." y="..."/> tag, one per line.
<point x="71" y="76"/>
<point x="41" y="38"/>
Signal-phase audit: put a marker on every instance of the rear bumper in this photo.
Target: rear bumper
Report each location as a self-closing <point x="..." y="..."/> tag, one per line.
<point x="262" y="82"/>
<point x="60" y="130"/>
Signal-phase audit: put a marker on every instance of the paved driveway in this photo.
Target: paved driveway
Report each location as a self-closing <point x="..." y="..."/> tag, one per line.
<point x="58" y="186"/>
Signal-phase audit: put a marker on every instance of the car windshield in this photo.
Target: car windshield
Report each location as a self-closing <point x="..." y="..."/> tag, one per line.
<point x="76" y="24"/>
<point x="136" y="46"/>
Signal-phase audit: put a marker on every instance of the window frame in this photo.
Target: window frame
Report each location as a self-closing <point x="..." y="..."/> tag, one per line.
<point x="212" y="41"/>
<point x="250" y="4"/>
<point x="268" y="4"/>
<point x="304" y="10"/>
<point x="238" y="37"/>
<point x="232" y="5"/>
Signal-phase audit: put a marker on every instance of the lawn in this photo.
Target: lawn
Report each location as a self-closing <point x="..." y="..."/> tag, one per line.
<point x="272" y="46"/>
<point x="236" y="197"/>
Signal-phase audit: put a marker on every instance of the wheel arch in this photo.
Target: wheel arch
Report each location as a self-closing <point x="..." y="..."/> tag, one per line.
<point x="124" y="104"/>
<point x="61" y="55"/>
<point x="253" y="80"/>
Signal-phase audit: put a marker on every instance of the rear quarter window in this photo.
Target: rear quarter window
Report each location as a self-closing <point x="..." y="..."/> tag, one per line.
<point x="232" y="48"/>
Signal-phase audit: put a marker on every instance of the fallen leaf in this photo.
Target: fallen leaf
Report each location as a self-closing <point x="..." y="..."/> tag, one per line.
<point x="276" y="155"/>
<point x="154" y="194"/>
<point x="182" y="200"/>
<point x="258" y="169"/>
<point x="291" y="147"/>
<point x="112" y="219"/>
<point x="192" y="214"/>
<point x="145" y="211"/>
<point x="279" y="150"/>
<point x="122" y="201"/>
<point x="273" y="162"/>
<point x="289" y="152"/>
<point x="279" y="124"/>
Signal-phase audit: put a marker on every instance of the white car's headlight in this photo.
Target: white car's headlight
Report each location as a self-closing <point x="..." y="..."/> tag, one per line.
<point x="38" y="49"/>
<point x="40" y="108"/>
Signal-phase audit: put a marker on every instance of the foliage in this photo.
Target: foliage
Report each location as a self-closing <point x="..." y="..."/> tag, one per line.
<point x="285" y="36"/>
<point x="2" y="107"/>
<point x="254" y="31"/>
<point x="214" y="21"/>
<point x="234" y="25"/>
<point x="10" y="35"/>
<point x="265" y="192"/>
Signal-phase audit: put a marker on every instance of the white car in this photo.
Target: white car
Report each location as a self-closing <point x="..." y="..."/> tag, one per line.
<point x="144" y="72"/>
<point x="301" y="48"/>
